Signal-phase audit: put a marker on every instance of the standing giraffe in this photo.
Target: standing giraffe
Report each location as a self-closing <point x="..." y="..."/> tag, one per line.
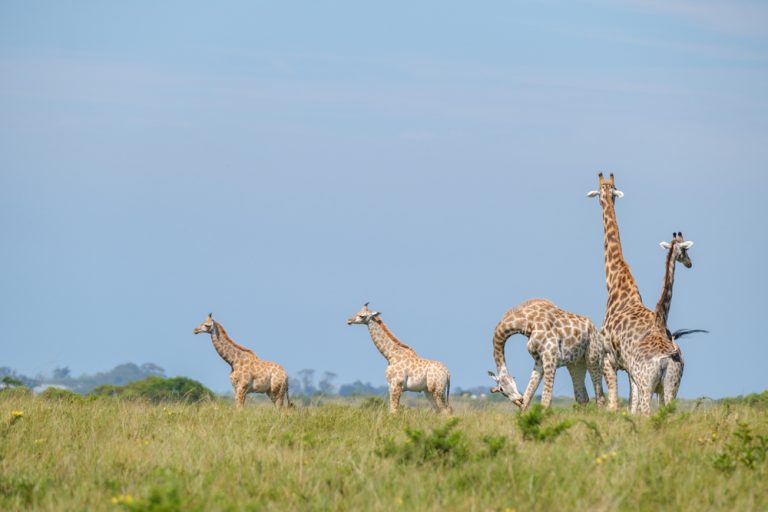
<point x="555" y="338"/>
<point x="636" y="342"/>
<point x="406" y="371"/>
<point x="250" y="374"/>
<point x="677" y="252"/>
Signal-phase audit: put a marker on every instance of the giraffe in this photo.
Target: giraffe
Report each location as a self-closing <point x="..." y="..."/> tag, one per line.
<point x="555" y="338"/>
<point x="250" y="374"/>
<point x="677" y="252"/>
<point x="406" y="371"/>
<point x="635" y="341"/>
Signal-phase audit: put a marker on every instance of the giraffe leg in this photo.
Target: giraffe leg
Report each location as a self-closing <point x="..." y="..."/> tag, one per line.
<point x="533" y="384"/>
<point x="578" y="371"/>
<point x="431" y="398"/>
<point x="240" y="390"/>
<point x="549" y="383"/>
<point x="609" y="372"/>
<point x="395" y="391"/>
<point x="643" y="400"/>
<point x="438" y="396"/>
<point x="672" y="381"/>
<point x="595" y="367"/>
<point x="282" y="393"/>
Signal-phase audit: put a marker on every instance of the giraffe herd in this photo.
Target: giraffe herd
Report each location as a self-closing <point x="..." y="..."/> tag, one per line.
<point x="632" y="338"/>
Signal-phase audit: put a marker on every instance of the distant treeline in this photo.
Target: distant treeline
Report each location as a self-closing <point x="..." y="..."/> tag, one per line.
<point x="303" y="383"/>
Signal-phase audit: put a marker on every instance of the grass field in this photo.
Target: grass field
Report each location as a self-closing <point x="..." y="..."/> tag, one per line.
<point x="112" y="454"/>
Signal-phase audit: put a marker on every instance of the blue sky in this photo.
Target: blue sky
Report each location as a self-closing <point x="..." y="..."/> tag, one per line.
<point x="280" y="165"/>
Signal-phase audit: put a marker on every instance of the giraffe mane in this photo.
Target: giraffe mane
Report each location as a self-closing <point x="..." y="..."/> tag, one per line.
<point x="233" y="342"/>
<point x="394" y="338"/>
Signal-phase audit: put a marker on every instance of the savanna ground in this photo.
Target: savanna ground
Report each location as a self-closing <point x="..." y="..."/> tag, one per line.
<point x="117" y="454"/>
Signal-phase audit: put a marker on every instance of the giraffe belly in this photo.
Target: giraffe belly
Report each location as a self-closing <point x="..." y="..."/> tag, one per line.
<point x="261" y="385"/>
<point x="415" y="382"/>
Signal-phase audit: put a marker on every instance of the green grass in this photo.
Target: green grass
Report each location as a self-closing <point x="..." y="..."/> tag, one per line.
<point x="112" y="454"/>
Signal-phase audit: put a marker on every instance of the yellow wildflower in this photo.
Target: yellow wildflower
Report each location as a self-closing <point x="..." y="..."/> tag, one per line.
<point x="39" y="441"/>
<point x="599" y="461"/>
<point x="17" y="414"/>
<point x="123" y="499"/>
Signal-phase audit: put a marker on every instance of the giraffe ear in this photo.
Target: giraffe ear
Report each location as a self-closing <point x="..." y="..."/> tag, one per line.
<point x="374" y="314"/>
<point x="593" y="193"/>
<point x="493" y="377"/>
<point x="618" y="193"/>
<point x="665" y="245"/>
<point x="687" y="245"/>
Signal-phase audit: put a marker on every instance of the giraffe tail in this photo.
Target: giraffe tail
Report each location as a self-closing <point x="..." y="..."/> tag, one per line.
<point x="685" y="332"/>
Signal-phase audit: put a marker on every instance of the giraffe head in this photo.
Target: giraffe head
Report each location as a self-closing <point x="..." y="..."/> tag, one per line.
<point x="679" y="247"/>
<point x="607" y="191"/>
<point x="363" y="316"/>
<point x="506" y="385"/>
<point x="206" y="326"/>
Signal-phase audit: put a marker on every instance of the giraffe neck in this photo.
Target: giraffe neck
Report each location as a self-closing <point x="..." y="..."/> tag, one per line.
<point x="665" y="301"/>
<point x="618" y="277"/>
<point x="226" y="346"/>
<point x="385" y="341"/>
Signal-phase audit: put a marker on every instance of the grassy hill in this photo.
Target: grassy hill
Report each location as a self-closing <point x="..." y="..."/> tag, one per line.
<point x="115" y="454"/>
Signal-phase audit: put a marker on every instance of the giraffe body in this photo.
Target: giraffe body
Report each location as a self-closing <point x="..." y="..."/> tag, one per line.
<point x="556" y="338"/>
<point x="406" y="371"/>
<point x="250" y="374"/>
<point x="630" y="330"/>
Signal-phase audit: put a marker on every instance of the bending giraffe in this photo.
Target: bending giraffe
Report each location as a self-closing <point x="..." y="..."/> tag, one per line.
<point x="631" y="333"/>
<point x="406" y="371"/>
<point x="250" y="374"/>
<point x="555" y="338"/>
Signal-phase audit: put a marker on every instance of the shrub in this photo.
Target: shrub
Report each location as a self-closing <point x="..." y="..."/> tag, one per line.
<point x="60" y="395"/>
<point x="444" y="445"/>
<point x="530" y="424"/>
<point x="748" y="448"/>
<point x="159" y="389"/>
<point x="665" y="411"/>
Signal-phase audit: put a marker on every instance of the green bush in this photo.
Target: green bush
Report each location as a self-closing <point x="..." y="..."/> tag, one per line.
<point x="759" y="400"/>
<point x="443" y="445"/>
<point x="531" y="424"/>
<point x="660" y="417"/>
<point x="749" y="449"/>
<point x="159" y="389"/>
<point x="60" y="395"/>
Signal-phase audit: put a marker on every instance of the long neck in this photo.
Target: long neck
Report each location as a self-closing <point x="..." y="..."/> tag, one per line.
<point x="224" y="345"/>
<point x="385" y="341"/>
<point x="665" y="301"/>
<point x="618" y="278"/>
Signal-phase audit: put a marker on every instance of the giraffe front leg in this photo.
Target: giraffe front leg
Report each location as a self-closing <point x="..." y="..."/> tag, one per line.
<point x="240" y="390"/>
<point x="395" y="391"/>
<point x="533" y="384"/>
<point x="549" y="383"/>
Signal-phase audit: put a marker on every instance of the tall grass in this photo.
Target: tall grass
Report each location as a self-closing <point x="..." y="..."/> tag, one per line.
<point x="111" y="454"/>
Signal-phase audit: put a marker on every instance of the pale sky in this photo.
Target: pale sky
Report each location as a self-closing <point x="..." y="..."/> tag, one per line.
<point x="279" y="165"/>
